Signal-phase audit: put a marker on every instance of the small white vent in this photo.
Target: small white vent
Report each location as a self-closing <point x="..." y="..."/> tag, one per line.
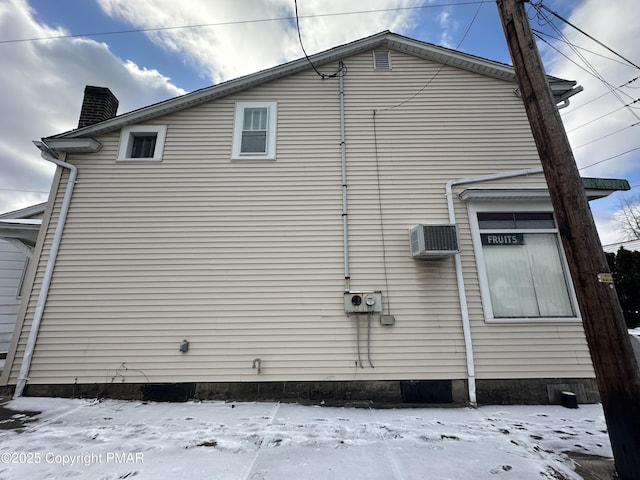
<point x="434" y="241"/>
<point x="382" y="60"/>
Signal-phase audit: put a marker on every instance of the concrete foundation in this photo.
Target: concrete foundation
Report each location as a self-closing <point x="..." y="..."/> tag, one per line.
<point x="540" y="391"/>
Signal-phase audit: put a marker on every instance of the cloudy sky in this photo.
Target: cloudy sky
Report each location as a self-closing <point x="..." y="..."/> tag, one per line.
<point x="50" y="50"/>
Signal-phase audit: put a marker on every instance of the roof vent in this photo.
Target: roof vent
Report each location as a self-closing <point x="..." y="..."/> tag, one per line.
<point x="382" y="60"/>
<point x="434" y="241"/>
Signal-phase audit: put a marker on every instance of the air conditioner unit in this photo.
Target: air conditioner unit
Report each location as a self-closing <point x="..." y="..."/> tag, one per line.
<point x="434" y="241"/>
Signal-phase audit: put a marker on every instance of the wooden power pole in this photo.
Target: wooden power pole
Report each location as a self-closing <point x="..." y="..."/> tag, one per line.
<point x="611" y="352"/>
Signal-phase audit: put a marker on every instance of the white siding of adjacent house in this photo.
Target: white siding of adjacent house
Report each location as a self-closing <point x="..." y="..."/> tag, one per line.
<point x="12" y="264"/>
<point x="244" y="259"/>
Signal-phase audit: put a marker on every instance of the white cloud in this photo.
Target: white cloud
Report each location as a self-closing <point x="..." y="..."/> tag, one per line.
<point x="42" y="85"/>
<point x="448" y="27"/>
<point x="230" y="51"/>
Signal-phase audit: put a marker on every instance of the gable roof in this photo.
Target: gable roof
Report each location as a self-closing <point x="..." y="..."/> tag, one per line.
<point x="562" y="88"/>
<point x="25" y="213"/>
<point x="21" y="225"/>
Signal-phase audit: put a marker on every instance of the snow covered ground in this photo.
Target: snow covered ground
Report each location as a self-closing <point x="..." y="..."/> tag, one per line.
<point x="113" y="439"/>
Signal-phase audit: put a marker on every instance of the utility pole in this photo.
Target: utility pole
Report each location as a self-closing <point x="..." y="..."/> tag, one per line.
<point x="613" y="360"/>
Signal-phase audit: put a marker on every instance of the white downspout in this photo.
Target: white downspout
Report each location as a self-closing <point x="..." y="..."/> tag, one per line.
<point x="464" y="309"/>
<point x="48" y="273"/>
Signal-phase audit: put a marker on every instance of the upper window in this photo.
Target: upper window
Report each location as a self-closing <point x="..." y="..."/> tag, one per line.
<point x="254" y="136"/>
<point x="142" y="142"/>
<point x="523" y="274"/>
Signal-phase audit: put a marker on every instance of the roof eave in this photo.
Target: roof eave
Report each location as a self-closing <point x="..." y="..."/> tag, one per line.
<point x="594" y="188"/>
<point x="386" y="39"/>
<point x="74" y="145"/>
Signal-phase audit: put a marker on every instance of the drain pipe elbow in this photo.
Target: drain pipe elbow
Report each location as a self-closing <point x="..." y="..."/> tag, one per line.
<point x="50" y="156"/>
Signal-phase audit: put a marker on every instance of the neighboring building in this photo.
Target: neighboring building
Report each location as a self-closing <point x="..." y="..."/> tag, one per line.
<point x="18" y="233"/>
<point x="631" y="245"/>
<point x="235" y="218"/>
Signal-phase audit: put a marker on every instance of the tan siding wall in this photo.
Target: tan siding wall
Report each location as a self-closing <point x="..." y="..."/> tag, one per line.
<point x="244" y="259"/>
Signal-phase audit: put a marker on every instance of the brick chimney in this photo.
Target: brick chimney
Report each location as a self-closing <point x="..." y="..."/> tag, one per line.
<point x="99" y="104"/>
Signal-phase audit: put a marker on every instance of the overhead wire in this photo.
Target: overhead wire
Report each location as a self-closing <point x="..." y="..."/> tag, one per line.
<point x="235" y="22"/>
<point x="601" y="116"/>
<point x="626" y="84"/>
<point x="546" y="34"/>
<point x="610" y="158"/>
<point x="541" y="5"/>
<point x="22" y="191"/>
<point x="442" y="65"/>
<point x="320" y="74"/>
<point x="377" y="158"/>
<point x="606" y="136"/>
<point x="590" y="72"/>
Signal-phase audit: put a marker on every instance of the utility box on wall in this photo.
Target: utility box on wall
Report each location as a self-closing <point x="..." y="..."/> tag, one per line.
<point x="362" y="302"/>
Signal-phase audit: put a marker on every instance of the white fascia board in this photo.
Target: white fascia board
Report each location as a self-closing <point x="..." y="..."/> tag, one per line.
<point x="26" y="212"/>
<point x="74" y="145"/>
<point x="476" y="194"/>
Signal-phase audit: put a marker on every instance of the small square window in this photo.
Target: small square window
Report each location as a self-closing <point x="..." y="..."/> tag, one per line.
<point x="142" y="142"/>
<point x="254" y="134"/>
<point x="143" y="146"/>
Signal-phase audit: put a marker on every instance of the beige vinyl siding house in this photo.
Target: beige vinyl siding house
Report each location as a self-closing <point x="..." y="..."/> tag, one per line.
<point x="244" y="257"/>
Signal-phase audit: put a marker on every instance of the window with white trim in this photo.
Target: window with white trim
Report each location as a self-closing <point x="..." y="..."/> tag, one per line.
<point x="142" y="142"/>
<point x="523" y="272"/>
<point x="254" y="136"/>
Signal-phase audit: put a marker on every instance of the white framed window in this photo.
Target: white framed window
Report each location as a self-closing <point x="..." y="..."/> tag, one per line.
<point x="522" y="269"/>
<point x="142" y="142"/>
<point x="254" y="134"/>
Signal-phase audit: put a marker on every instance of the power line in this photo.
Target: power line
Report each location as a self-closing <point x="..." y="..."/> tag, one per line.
<point x="610" y="87"/>
<point x="442" y="65"/>
<point x="610" y="158"/>
<point x="564" y="114"/>
<point x="539" y="33"/>
<point x="606" y="136"/>
<point x="602" y="116"/>
<point x="586" y="34"/>
<point x="321" y="75"/>
<point x="236" y="22"/>
<point x="22" y="191"/>
<point x="595" y="72"/>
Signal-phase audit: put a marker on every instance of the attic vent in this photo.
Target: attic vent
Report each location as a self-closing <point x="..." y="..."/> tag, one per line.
<point x="434" y="241"/>
<point x="382" y="60"/>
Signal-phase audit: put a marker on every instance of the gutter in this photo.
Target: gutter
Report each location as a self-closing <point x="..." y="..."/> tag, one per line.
<point x="50" y="156"/>
<point x="464" y="308"/>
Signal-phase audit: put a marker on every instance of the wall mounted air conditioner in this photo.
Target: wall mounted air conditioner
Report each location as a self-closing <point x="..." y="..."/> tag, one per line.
<point x="434" y="241"/>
